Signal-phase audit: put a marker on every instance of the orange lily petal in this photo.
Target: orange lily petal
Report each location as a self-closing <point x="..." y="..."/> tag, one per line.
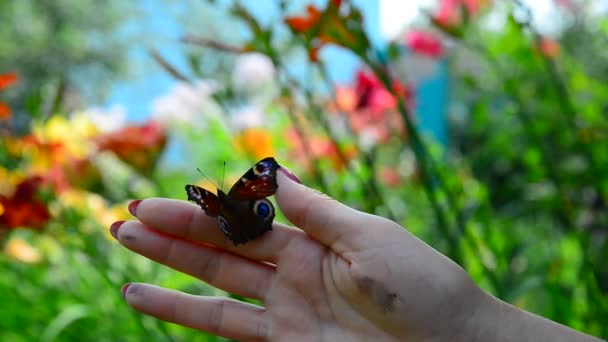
<point x="303" y="24"/>
<point x="5" y="111"/>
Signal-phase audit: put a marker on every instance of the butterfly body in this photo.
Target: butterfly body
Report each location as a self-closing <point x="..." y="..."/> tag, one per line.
<point x="244" y="213"/>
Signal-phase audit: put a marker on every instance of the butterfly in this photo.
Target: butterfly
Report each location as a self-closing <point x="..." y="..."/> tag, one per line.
<point x="245" y="213"/>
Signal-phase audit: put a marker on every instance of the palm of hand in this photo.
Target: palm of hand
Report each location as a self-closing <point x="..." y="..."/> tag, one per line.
<point x="346" y="276"/>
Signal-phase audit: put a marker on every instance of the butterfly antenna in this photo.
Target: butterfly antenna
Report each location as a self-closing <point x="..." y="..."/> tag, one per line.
<point x="223" y="174"/>
<point x="204" y="175"/>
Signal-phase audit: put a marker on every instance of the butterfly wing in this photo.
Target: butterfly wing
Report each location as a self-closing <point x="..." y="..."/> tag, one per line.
<point x="207" y="200"/>
<point x="258" y="182"/>
<point x="245" y="220"/>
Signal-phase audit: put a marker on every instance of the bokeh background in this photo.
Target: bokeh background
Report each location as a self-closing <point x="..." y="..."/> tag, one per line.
<point x="481" y="126"/>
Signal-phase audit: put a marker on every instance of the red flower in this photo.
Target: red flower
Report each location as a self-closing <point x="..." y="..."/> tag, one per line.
<point x="548" y="47"/>
<point x="24" y="208"/>
<point x="6" y="80"/>
<point x="374" y="115"/>
<point x="373" y="95"/>
<point x="424" y="43"/>
<point x="138" y="146"/>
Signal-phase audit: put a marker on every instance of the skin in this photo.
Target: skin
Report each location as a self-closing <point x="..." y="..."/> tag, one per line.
<point x="336" y="275"/>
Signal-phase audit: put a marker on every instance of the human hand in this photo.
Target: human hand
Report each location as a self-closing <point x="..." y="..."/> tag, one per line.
<point x="339" y="275"/>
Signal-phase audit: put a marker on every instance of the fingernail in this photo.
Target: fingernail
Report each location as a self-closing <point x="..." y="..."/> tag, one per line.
<point x="114" y="228"/>
<point x="123" y="289"/>
<point x="287" y="172"/>
<point x="133" y="207"/>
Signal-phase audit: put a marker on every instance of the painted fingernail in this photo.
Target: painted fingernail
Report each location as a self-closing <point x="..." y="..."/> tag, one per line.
<point x="287" y="172"/>
<point x="123" y="289"/>
<point x="133" y="207"/>
<point x="114" y="228"/>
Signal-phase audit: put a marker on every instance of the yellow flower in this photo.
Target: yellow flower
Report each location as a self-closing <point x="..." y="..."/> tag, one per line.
<point x="10" y="179"/>
<point x="72" y="134"/>
<point x="93" y="205"/>
<point x="20" y="250"/>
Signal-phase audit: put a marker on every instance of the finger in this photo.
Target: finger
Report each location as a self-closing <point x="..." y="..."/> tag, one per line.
<point x="219" y="316"/>
<point x="189" y="221"/>
<point x="214" y="266"/>
<point x="332" y="223"/>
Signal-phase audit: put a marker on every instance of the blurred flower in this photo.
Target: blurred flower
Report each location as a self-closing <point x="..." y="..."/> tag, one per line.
<point x="346" y="98"/>
<point x="82" y="173"/>
<point x="66" y="138"/>
<point x="424" y="43"/>
<point x="372" y="113"/>
<point x="10" y="179"/>
<point x="5" y="81"/>
<point x="24" y="208"/>
<point x="252" y="73"/>
<point x="106" y="120"/>
<point x="340" y="25"/>
<point x="20" y="250"/>
<point x="570" y="5"/>
<point x="139" y="146"/>
<point x="41" y="154"/>
<point x="371" y="94"/>
<point x="452" y="13"/>
<point x="317" y="148"/>
<point x="255" y="142"/>
<point x="187" y="104"/>
<point x="548" y="47"/>
<point x="389" y="176"/>
<point x="92" y="205"/>
<point x="247" y="117"/>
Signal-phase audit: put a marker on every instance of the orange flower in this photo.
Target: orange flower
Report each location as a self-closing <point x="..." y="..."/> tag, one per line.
<point x="255" y="142"/>
<point x="5" y="81"/>
<point x="334" y="25"/>
<point x="24" y="208"/>
<point x="303" y="24"/>
<point x="20" y="250"/>
<point x="318" y="148"/>
<point x="138" y="146"/>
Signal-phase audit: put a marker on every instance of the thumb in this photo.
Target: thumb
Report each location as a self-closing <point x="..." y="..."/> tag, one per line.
<point x="330" y="222"/>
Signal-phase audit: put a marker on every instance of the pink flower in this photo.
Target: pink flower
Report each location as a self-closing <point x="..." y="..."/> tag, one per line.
<point x="424" y="43"/>
<point x="451" y="12"/>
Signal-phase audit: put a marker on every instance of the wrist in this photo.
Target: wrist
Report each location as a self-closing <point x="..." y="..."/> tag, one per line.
<point x="493" y="320"/>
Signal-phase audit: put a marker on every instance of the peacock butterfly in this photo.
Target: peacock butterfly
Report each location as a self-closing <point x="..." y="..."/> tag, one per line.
<point x="245" y="213"/>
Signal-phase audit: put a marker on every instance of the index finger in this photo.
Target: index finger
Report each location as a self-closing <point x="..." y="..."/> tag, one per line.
<point x="334" y="224"/>
<point x="188" y="221"/>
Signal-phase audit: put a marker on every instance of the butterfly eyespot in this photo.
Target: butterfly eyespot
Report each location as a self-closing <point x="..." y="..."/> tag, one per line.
<point x="224" y="226"/>
<point x="263" y="209"/>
